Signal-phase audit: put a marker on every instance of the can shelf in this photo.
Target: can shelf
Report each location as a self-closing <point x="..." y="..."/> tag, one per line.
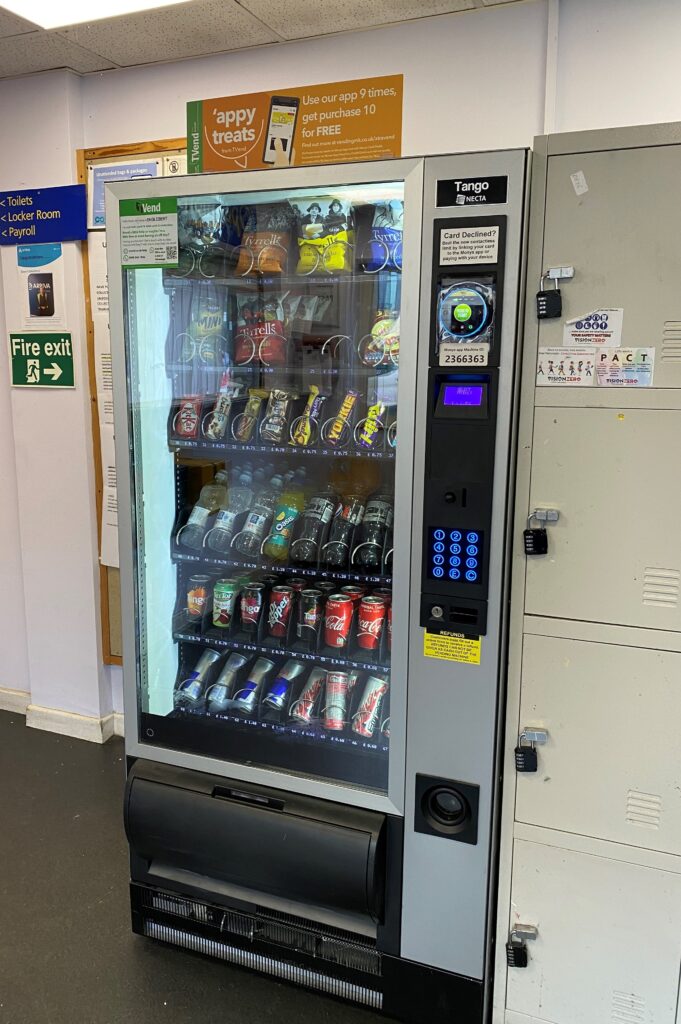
<point x="345" y="577"/>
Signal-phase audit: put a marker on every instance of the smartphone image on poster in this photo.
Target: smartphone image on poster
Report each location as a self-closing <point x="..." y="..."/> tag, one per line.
<point x="40" y="295"/>
<point x="282" y="125"/>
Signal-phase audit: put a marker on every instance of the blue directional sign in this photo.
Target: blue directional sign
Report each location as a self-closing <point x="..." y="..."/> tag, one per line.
<point x="43" y="215"/>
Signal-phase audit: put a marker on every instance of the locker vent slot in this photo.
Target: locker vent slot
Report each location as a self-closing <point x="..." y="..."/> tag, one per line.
<point x="324" y="943"/>
<point x="266" y="965"/>
<point x="671" y="340"/>
<point x="644" y="809"/>
<point x="627" y="1008"/>
<point x="661" y="587"/>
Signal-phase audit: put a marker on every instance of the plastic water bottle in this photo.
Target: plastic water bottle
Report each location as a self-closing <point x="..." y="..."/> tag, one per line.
<point x="239" y="499"/>
<point x="248" y="541"/>
<point x="212" y="497"/>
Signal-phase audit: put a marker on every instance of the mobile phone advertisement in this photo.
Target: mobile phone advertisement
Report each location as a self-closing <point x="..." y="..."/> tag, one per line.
<point x="318" y="124"/>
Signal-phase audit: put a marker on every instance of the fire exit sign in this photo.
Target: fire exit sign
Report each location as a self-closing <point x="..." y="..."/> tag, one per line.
<point x="41" y="360"/>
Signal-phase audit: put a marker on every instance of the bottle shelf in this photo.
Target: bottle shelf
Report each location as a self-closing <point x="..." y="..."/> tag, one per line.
<point x="325" y="657"/>
<point x="343" y="577"/>
<point x="210" y="447"/>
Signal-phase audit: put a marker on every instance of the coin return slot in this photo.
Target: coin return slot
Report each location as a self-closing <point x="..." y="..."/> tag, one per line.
<point x="463" y="615"/>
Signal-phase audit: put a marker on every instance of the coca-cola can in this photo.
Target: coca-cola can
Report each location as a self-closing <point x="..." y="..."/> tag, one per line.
<point x="385" y="593"/>
<point x="279" y="614"/>
<point x="365" y="719"/>
<point x="336" y="701"/>
<point x="355" y="592"/>
<point x="389" y="626"/>
<point x="310" y="610"/>
<point x="302" y="708"/>
<point x="297" y="583"/>
<point x="337" y="620"/>
<point x="252" y="599"/>
<point x="370" y="620"/>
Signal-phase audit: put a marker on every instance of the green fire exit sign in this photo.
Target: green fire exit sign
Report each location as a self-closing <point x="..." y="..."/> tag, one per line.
<point x="41" y="360"/>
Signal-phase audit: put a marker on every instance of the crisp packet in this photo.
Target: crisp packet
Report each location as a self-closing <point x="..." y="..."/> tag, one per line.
<point x="384" y="249"/>
<point x="325" y="235"/>
<point x="260" y="336"/>
<point x="266" y="240"/>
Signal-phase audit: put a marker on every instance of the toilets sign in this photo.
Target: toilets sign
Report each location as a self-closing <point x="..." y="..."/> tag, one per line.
<point x="41" y="360"/>
<point x="43" y="215"/>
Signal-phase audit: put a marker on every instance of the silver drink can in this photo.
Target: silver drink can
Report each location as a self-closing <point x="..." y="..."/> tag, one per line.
<point x="246" y="698"/>
<point x="219" y="693"/>
<point x="277" y="695"/>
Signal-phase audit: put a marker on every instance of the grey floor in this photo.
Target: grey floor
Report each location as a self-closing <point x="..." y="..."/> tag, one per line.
<point x="67" y="955"/>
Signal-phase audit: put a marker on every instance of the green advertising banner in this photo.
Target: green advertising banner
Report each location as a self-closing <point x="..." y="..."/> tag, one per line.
<point x="41" y="360"/>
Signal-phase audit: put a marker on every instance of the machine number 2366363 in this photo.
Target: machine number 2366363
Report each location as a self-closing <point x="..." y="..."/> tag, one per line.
<point x="464" y="355"/>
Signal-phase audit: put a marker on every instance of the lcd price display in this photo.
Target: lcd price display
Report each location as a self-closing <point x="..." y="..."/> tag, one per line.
<point x="463" y="395"/>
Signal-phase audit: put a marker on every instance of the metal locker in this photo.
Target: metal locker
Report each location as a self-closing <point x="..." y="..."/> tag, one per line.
<point x="608" y="942"/>
<point x="612" y="716"/>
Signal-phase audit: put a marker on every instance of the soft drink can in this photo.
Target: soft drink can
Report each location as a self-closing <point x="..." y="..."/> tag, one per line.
<point x="389" y="626"/>
<point x="365" y="719"/>
<point x="246" y="699"/>
<point x="224" y="599"/>
<point x="309" y="616"/>
<point x="336" y="700"/>
<point x="326" y="586"/>
<point x="337" y="620"/>
<point x="279" y="614"/>
<point x="298" y="583"/>
<point x="385" y="593"/>
<point x="302" y="708"/>
<point x="370" y="621"/>
<point x="354" y="592"/>
<point x="278" y="692"/>
<point x="219" y="693"/>
<point x="197" y="596"/>
<point x="252" y="598"/>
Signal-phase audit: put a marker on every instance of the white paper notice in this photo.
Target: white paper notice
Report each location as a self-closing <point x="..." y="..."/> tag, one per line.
<point x="469" y="246"/>
<point x="148" y="232"/>
<point x="565" y="367"/>
<point x="109" y="549"/>
<point x="602" y="327"/>
<point x="625" y="367"/>
<point x="579" y="183"/>
<point x="99" y="282"/>
<point x="40" y="270"/>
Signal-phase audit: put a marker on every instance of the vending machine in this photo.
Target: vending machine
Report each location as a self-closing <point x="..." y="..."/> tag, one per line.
<point x="314" y="403"/>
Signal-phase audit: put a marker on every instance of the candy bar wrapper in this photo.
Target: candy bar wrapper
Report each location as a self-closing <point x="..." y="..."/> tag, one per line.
<point x="309" y="420"/>
<point x="382" y="346"/>
<point x="266" y="240"/>
<point x="249" y="417"/>
<point x="215" y="425"/>
<point x="369" y="435"/>
<point x="336" y="431"/>
<point x="385" y="246"/>
<point x="325" y="235"/>
<point x="273" y="427"/>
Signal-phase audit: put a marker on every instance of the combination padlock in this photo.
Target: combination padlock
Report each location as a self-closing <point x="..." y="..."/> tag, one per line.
<point x="536" y="539"/>
<point x="549" y="304"/>
<point x="526" y="756"/>
<point x="516" y="952"/>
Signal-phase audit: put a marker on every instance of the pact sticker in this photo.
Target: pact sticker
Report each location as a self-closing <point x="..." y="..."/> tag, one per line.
<point x="625" y="367"/>
<point x="452" y="647"/>
<point x="565" y="367"/>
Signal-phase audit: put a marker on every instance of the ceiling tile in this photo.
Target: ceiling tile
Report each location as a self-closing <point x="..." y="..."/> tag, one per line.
<point x="296" y="19"/>
<point x="171" y="33"/>
<point x="12" y="24"/>
<point x="44" y="51"/>
<point x="494" y="3"/>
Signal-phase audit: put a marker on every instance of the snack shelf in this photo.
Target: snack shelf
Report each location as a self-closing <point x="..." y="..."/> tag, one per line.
<point x="209" y="447"/>
<point x="258" y="282"/>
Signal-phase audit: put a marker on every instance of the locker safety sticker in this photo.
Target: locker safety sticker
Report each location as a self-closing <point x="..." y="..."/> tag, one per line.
<point x="566" y="367"/>
<point x="625" y="367"/>
<point x="602" y="327"/>
<point x="452" y="647"/>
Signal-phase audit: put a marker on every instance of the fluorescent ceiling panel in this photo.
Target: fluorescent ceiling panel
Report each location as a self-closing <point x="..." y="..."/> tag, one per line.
<point x="58" y="13"/>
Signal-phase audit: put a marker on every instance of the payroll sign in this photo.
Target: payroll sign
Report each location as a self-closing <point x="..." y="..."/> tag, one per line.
<point x="318" y="124"/>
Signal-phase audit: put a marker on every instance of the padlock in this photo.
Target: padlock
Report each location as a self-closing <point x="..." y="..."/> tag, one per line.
<point x="516" y="952"/>
<point x="525" y="758"/>
<point x="549" y="304"/>
<point x="536" y="540"/>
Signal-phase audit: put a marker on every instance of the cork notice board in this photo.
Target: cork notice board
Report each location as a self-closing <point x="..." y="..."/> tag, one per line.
<point x="109" y="577"/>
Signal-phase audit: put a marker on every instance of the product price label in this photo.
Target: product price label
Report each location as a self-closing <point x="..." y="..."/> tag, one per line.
<point x="452" y="647"/>
<point x="148" y="233"/>
<point x="454" y="353"/>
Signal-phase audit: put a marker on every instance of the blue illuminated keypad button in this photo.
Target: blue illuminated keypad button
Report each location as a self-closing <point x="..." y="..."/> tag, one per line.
<point x="472" y="549"/>
<point x="454" y="574"/>
<point x="438" y="559"/>
<point x="438" y="571"/>
<point x="472" y="563"/>
<point x="471" y="575"/>
<point x="455" y="549"/>
<point x="455" y="535"/>
<point x="438" y="546"/>
<point x="439" y="534"/>
<point x="472" y="537"/>
<point x="455" y="560"/>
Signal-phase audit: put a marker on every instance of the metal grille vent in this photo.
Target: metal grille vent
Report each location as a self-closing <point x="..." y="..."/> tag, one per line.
<point x="627" y="1008"/>
<point x="266" y="965"/>
<point x="323" y="943"/>
<point x="644" y="809"/>
<point x="661" y="587"/>
<point x="671" y="340"/>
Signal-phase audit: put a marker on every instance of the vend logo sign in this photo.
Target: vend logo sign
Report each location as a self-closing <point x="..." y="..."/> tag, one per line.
<point x="148" y="207"/>
<point x="472" y="191"/>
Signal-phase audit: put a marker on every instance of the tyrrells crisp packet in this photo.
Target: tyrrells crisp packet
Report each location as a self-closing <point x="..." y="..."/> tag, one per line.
<point x="266" y="240"/>
<point x="325" y="235"/>
<point x="384" y="250"/>
<point x="261" y="335"/>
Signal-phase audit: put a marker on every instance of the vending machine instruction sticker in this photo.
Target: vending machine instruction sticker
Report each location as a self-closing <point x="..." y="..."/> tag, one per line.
<point x="602" y="327"/>
<point x="463" y="353"/>
<point x="469" y="246"/>
<point x="566" y="367"/>
<point x="452" y="647"/>
<point x="316" y="124"/>
<point x="625" y="367"/>
<point x="148" y="233"/>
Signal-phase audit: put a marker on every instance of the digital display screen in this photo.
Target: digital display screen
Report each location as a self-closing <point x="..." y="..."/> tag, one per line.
<point x="454" y="555"/>
<point x="462" y="394"/>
